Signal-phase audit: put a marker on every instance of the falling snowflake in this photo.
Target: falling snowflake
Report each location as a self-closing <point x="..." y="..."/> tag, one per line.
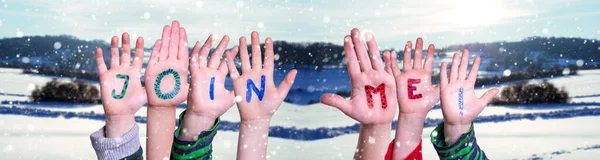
<point x="506" y="73"/>
<point x="25" y="60"/>
<point x="146" y="15"/>
<point x="371" y="140"/>
<point x="199" y="4"/>
<point x="260" y="24"/>
<point x="579" y="63"/>
<point x="239" y="4"/>
<point x="238" y="99"/>
<point x="310" y="88"/>
<point x="19" y="34"/>
<point x="566" y="71"/>
<point x="57" y="45"/>
<point x="326" y="19"/>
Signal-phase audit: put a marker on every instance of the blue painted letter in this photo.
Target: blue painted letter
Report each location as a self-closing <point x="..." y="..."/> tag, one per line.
<point x="212" y="88"/>
<point x="251" y="87"/>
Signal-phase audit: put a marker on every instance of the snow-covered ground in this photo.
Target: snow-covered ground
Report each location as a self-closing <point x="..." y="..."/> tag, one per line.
<point x="24" y="137"/>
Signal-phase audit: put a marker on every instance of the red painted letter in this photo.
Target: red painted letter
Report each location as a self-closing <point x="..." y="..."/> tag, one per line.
<point x="369" y="90"/>
<point x="412" y="88"/>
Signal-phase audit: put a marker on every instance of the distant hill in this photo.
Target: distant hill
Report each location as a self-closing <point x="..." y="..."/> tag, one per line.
<point x="521" y="52"/>
<point x="69" y="53"/>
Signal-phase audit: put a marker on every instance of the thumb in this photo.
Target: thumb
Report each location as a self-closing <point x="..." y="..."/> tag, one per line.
<point x="286" y="84"/>
<point x="488" y="96"/>
<point x="336" y="101"/>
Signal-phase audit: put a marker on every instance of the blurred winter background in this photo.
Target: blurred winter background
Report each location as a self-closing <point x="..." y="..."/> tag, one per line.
<point x="542" y="54"/>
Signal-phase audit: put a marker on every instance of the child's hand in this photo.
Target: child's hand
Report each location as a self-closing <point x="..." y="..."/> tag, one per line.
<point x="208" y="98"/>
<point x="121" y="90"/>
<point x="416" y="94"/>
<point x="166" y="74"/>
<point x="257" y="96"/>
<point x="460" y="106"/>
<point x="373" y="97"/>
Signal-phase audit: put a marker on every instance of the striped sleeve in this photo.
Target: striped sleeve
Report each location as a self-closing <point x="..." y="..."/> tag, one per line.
<point x="465" y="148"/>
<point x="199" y="149"/>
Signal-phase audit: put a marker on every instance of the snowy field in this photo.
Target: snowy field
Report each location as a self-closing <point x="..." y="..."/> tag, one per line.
<point x="25" y="137"/>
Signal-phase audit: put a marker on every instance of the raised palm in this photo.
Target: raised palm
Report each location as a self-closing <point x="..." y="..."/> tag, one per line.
<point x="208" y="95"/>
<point x="367" y="106"/>
<point x="253" y="105"/>
<point x="416" y="94"/>
<point x="460" y="106"/>
<point x="121" y="90"/>
<point x="166" y="73"/>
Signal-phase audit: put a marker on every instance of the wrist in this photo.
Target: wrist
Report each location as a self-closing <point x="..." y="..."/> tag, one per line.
<point x="453" y="132"/>
<point x="194" y="124"/>
<point x="409" y="131"/>
<point x="118" y="125"/>
<point x="380" y="126"/>
<point x="411" y="122"/>
<point x="258" y="125"/>
<point x="412" y="116"/>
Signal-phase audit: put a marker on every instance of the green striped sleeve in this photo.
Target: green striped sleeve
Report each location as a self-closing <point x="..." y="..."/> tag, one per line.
<point x="465" y="148"/>
<point x="199" y="149"/>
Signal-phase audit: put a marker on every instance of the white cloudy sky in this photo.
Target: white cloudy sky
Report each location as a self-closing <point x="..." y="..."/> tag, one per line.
<point x="393" y="22"/>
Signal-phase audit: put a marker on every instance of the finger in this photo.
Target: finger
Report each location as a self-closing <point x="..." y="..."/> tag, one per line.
<point x="269" y="59"/>
<point x="443" y="75"/>
<point x="488" y="96"/>
<point x="174" y="41"/>
<point x="256" y="57"/>
<point x="394" y="63"/>
<point x="223" y="67"/>
<point x="286" y="84"/>
<point x="464" y="63"/>
<point x="336" y="101"/>
<point x="184" y="52"/>
<point x="351" y="61"/>
<point x="114" y="52"/>
<point x="204" y="51"/>
<point x="417" y="64"/>
<point x="244" y="58"/>
<point x="164" y="50"/>
<point x="361" y="51"/>
<point x="407" y="60"/>
<point x="230" y="56"/>
<point x="154" y="56"/>
<point x="215" y="58"/>
<point x="374" y="52"/>
<point x="126" y="51"/>
<point x="194" y="65"/>
<point x="388" y="63"/>
<point x="474" y="69"/>
<point x="429" y="58"/>
<point x="100" y="61"/>
<point x="138" y="58"/>
<point x="454" y="68"/>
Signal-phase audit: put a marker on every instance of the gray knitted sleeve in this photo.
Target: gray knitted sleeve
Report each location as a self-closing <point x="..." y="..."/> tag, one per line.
<point x="117" y="147"/>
